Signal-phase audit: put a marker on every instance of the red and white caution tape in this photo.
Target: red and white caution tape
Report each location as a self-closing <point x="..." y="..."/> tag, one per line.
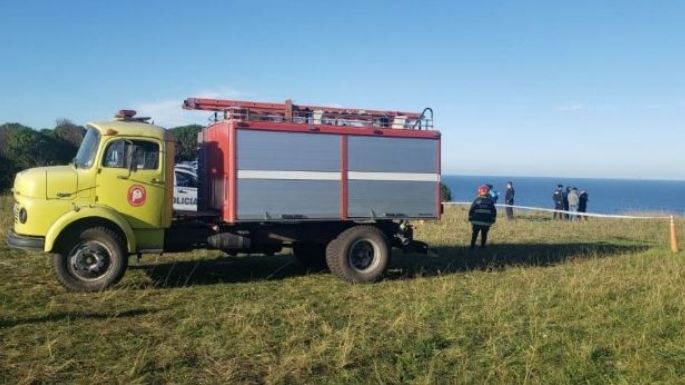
<point x="572" y="213"/>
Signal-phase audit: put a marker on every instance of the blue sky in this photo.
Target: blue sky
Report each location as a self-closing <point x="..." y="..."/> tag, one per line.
<point x="541" y="88"/>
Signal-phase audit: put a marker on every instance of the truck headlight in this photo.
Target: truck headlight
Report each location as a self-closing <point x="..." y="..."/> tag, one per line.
<point x="23" y="215"/>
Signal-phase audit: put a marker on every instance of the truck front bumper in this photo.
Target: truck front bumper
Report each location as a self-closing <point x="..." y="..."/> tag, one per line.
<point x="24" y="242"/>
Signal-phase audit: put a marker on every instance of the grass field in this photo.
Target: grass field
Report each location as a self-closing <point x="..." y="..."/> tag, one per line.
<point x="549" y="302"/>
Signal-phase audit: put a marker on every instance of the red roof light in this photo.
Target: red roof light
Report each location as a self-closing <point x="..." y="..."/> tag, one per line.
<point x="125" y="114"/>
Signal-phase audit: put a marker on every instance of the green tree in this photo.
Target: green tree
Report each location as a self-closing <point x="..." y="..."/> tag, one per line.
<point x="22" y="147"/>
<point x="6" y="173"/>
<point x="186" y="141"/>
<point x="71" y="133"/>
<point x="445" y="193"/>
<point x="18" y="145"/>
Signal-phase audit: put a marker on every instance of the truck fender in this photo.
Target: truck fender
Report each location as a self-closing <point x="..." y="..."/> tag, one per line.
<point x="102" y="213"/>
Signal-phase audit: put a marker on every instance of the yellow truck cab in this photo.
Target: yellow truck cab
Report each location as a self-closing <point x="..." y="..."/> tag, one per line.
<point x="113" y="200"/>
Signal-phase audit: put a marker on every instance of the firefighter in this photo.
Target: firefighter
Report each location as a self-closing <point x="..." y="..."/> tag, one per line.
<point x="558" y="198"/>
<point x="482" y="215"/>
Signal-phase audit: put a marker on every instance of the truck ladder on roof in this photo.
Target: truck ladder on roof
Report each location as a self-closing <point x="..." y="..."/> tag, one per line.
<point x="307" y="114"/>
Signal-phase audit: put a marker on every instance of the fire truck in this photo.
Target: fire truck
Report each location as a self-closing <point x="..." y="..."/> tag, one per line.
<point x="340" y="186"/>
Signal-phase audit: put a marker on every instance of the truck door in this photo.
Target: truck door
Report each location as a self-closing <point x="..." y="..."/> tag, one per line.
<point x="131" y="180"/>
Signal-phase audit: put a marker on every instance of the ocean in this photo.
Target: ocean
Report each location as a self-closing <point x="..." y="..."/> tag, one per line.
<point x="606" y="196"/>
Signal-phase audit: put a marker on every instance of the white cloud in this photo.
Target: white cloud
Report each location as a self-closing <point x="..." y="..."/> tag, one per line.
<point x="170" y="113"/>
<point x="571" y="106"/>
<point x="218" y="93"/>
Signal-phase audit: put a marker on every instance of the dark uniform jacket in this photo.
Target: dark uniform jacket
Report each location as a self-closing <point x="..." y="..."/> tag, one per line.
<point x="558" y="197"/>
<point x="509" y="197"/>
<point x="582" y="203"/>
<point x="483" y="212"/>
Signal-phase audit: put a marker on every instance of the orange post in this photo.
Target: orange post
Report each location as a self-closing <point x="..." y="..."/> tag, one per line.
<point x="674" y="237"/>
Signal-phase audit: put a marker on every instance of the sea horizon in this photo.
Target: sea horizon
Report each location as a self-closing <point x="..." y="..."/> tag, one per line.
<point x="444" y="174"/>
<point x="606" y="195"/>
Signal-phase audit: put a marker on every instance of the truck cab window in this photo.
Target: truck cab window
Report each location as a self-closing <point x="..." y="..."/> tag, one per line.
<point x="145" y="154"/>
<point x="115" y="155"/>
<point x="86" y="152"/>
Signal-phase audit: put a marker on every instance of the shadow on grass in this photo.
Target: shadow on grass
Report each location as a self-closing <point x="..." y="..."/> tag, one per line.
<point x="454" y="259"/>
<point x="75" y="315"/>
<point x="444" y="260"/>
<point x="228" y="269"/>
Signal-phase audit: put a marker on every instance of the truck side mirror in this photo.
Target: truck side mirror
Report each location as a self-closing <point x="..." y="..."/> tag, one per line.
<point x="130" y="164"/>
<point x="130" y="160"/>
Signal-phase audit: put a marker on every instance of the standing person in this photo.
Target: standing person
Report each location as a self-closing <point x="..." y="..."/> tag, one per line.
<point x="566" y="192"/>
<point x="509" y="200"/>
<point x="482" y="215"/>
<point x="558" y="198"/>
<point x="573" y="202"/>
<point x="582" y="203"/>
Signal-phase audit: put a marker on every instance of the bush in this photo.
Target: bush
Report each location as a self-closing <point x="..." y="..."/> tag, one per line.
<point x="445" y="193"/>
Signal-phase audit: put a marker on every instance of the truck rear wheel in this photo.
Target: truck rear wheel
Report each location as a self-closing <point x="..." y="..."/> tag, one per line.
<point x="91" y="261"/>
<point x="311" y="255"/>
<point x="359" y="254"/>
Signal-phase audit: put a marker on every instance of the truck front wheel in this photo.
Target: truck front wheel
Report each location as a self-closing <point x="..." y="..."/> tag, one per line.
<point x="359" y="254"/>
<point x="91" y="261"/>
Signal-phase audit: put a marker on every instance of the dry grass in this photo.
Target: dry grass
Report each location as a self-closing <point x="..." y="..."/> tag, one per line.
<point x="548" y="302"/>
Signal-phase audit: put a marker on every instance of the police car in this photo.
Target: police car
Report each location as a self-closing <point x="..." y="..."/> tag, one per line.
<point x="185" y="187"/>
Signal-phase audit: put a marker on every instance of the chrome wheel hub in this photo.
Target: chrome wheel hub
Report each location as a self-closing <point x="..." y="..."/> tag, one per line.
<point x="89" y="260"/>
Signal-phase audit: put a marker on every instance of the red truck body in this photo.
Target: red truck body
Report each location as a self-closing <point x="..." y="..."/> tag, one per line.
<point x="318" y="168"/>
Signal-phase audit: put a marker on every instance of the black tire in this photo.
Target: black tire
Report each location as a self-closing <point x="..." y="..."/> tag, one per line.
<point x="311" y="255"/>
<point x="93" y="260"/>
<point x="359" y="255"/>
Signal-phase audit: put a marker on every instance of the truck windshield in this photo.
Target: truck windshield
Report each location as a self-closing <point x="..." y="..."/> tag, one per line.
<point x="86" y="153"/>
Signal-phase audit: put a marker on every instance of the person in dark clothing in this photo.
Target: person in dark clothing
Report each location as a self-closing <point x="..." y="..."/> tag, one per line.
<point x="558" y="198"/>
<point x="582" y="204"/>
<point x="482" y="215"/>
<point x="509" y="200"/>
<point x="566" y="207"/>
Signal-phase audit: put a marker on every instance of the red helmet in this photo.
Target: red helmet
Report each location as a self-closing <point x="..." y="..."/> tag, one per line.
<point x="483" y="190"/>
